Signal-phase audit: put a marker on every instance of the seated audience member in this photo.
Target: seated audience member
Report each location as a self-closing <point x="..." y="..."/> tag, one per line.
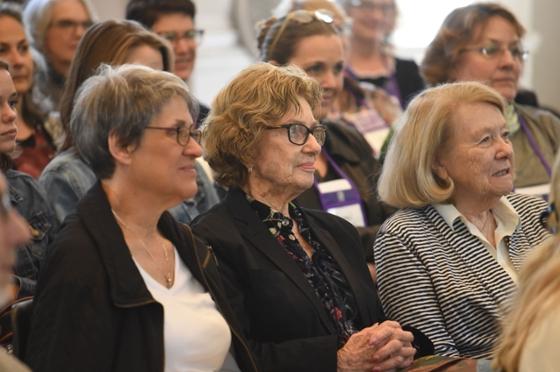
<point x="55" y="28"/>
<point x="371" y="111"/>
<point x="68" y="177"/>
<point x="483" y="42"/>
<point x="175" y="21"/>
<point x="127" y="287"/>
<point x="345" y="166"/>
<point x="13" y="232"/>
<point x="529" y="340"/>
<point x="27" y="197"/>
<point x="447" y="261"/>
<point x="296" y="277"/>
<point x="35" y="145"/>
<point x="370" y="57"/>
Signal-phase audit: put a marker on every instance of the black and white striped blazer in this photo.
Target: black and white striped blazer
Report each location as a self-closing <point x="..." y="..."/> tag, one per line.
<point x="444" y="281"/>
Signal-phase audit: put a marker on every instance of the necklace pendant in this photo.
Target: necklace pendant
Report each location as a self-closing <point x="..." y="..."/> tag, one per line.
<point x="168" y="281"/>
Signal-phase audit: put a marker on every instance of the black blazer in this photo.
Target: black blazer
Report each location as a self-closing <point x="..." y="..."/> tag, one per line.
<point x="282" y="319"/>
<point x="93" y="311"/>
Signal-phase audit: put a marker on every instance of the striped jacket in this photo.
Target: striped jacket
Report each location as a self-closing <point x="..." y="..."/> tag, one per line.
<point x="444" y="282"/>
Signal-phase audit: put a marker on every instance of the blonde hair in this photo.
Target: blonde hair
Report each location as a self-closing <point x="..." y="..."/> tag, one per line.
<point x="408" y="178"/>
<point x="539" y="293"/>
<point x="258" y="97"/>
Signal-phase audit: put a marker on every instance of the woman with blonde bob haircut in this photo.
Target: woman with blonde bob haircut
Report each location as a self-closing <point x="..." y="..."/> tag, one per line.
<point x="450" y="256"/>
<point x="529" y="341"/>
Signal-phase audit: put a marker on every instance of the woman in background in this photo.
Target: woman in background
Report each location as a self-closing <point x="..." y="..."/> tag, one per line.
<point x="370" y="57"/>
<point x="35" y="144"/>
<point x="67" y="178"/>
<point x="483" y="42"/>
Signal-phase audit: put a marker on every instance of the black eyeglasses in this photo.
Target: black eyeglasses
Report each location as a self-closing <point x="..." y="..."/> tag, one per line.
<point x="190" y="35"/>
<point x="493" y="51"/>
<point x="183" y="132"/>
<point x="301" y="16"/>
<point x="549" y="219"/>
<point x="299" y="133"/>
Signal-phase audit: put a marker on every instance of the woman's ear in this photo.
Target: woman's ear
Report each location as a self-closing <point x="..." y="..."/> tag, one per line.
<point x="121" y="154"/>
<point x="440" y="170"/>
<point x="273" y="62"/>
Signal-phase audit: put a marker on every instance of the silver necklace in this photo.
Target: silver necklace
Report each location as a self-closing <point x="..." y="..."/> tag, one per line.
<point x="168" y="275"/>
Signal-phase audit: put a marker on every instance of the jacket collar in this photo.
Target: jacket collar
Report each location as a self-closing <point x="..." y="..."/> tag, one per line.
<point x="335" y="145"/>
<point x="127" y="288"/>
<point x="253" y="230"/>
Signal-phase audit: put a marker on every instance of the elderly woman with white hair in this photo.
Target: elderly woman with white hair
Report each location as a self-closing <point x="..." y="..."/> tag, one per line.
<point x="128" y="288"/>
<point x="448" y="260"/>
<point x="54" y="28"/>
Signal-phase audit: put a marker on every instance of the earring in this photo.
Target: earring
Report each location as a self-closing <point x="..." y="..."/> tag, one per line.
<point x="250" y="169"/>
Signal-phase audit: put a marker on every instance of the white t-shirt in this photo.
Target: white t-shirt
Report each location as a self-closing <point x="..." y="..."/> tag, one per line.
<point x="196" y="336"/>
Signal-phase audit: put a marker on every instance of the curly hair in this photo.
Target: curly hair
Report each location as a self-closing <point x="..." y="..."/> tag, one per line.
<point x="258" y="96"/>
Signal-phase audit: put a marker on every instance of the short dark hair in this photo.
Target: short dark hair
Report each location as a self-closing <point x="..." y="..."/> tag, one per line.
<point x="147" y="12"/>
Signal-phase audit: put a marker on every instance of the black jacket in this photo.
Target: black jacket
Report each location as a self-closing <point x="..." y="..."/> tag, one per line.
<point x="93" y="311"/>
<point x="285" y="323"/>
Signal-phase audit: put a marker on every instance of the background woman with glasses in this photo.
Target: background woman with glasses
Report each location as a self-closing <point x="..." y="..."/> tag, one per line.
<point x="346" y="171"/>
<point x="127" y="287"/>
<point x="483" y="42"/>
<point x="296" y="277"/>
<point x="370" y="56"/>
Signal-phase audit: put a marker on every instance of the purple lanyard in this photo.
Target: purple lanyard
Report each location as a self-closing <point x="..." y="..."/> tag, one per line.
<point x="354" y="190"/>
<point x="534" y="144"/>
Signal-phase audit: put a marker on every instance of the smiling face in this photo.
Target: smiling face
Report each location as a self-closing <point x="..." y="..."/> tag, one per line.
<point x="501" y="71"/>
<point x="478" y="155"/>
<point x="14" y="49"/>
<point x="8" y="103"/>
<point x="282" y="169"/>
<point x="160" y="164"/>
<point x="178" y="24"/>
<point x="322" y="58"/>
<point x="69" y="22"/>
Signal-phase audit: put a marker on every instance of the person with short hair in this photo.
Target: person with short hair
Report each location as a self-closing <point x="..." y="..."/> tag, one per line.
<point x="483" y="42"/>
<point x="127" y="287"/>
<point x="296" y="277"/>
<point x="448" y="260"/>
<point x="54" y="28"/>
<point x="174" y="20"/>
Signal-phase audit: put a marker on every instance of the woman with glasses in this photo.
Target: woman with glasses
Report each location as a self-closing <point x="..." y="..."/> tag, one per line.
<point x="370" y="57"/>
<point x="295" y="277"/>
<point x="54" y="28"/>
<point x="346" y="170"/>
<point x="483" y="42"/>
<point x="68" y="177"/>
<point x="127" y="287"/>
<point x="530" y="335"/>
<point x="448" y="260"/>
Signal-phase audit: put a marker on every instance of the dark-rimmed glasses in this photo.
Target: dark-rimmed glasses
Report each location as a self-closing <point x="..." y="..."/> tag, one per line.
<point x="549" y="219"/>
<point x="183" y="132"/>
<point x="301" y="16"/>
<point x="190" y="35"/>
<point x="493" y="51"/>
<point x="299" y="133"/>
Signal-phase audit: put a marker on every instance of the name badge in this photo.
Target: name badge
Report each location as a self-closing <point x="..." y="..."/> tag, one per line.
<point x="338" y="197"/>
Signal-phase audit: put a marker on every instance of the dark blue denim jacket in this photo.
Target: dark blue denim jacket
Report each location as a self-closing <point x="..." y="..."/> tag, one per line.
<point x="29" y="199"/>
<point x="67" y="178"/>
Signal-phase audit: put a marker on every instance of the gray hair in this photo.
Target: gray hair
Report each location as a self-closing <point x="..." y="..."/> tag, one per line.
<point x="122" y="101"/>
<point x="37" y="17"/>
